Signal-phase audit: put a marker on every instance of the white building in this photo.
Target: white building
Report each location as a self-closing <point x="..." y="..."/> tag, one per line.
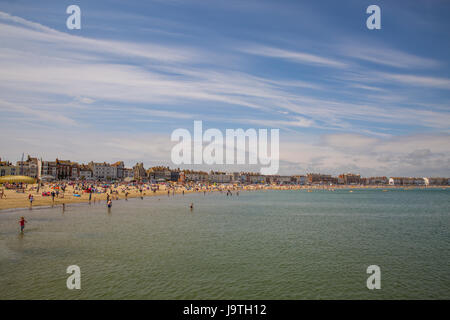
<point x="103" y="171"/>
<point x="406" y="181"/>
<point x="86" y="172"/>
<point x="29" y="167"/>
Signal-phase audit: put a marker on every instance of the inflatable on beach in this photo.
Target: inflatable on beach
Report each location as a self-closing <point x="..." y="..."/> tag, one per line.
<point x="17" y="179"/>
<point x="76" y="195"/>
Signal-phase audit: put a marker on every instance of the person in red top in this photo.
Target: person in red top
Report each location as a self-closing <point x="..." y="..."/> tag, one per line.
<point x="22" y="224"/>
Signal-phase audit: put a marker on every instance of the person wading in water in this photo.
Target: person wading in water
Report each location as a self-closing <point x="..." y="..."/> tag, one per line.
<point x="22" y="224"/>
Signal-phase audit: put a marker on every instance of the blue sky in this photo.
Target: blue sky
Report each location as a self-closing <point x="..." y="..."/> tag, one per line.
<point x="345" y="98"/>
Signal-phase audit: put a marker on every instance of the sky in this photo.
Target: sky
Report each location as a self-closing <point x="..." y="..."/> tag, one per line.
<point x="345" y="98"/>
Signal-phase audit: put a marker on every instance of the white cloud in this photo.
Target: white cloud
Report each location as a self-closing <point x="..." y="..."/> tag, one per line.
<point x="50" y="78"/>
<point x="295" y="56"/>
<point x="420" y="81"/>
<point x="386" y="56"/>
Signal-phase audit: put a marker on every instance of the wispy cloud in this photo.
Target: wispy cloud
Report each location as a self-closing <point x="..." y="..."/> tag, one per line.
<point x="381" y="55"/>
<point x="294" y="56"/>
<point x="126" y="95"/>
<point x="415" y="80"/>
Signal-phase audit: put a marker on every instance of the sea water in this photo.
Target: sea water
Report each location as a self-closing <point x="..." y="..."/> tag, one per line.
<point x="291" y="244"/>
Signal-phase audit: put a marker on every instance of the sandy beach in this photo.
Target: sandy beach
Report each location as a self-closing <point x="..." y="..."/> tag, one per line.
<point x="13" y="199"/>
<point x="72" y="195"/>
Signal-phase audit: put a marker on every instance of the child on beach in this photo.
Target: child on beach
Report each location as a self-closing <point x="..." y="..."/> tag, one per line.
<point x="22" y="224"/>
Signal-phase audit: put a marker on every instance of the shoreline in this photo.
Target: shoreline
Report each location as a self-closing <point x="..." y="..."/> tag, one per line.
<point x="19" y="201"/>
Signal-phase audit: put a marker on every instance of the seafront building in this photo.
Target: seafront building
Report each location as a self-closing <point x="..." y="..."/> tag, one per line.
<point x="128" y="173"/>
<point x="436" y="181"/>
<point x="406" y="181"/>
<point x="86" y="172"/>
<point x="194" y="176"/>
<point x="159" y="173"/>
<point x="139" y="172"/>
<point x="374" y="181"/>
<point x="318" y="178"/>
<point x="349" y="178"/>
<point x="119" y="166"/>
<point x="7" y="168"/>
<point x="220" y="177"/>
<point x="29" y="167"/>
<point x="103" y="171"/>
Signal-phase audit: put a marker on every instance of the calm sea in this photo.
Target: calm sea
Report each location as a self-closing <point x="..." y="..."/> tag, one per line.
<point x="258" y="245"/>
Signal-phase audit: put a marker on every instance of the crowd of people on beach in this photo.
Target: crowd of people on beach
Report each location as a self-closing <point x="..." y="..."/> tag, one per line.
<point x="112" y="191"/>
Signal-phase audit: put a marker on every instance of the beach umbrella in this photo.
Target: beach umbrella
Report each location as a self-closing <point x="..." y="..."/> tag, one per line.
<point x="17" y="179"/>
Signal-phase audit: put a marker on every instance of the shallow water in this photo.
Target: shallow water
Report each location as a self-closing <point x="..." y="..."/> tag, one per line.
<point x="260" y="245"/>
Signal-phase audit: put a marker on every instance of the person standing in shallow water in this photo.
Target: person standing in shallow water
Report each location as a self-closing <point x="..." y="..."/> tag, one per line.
<point x="31" y="200"/>
<point x="22" y="224"/>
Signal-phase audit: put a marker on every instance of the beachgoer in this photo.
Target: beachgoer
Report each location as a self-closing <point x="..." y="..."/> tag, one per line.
<point x="191" y="206"/>
<point x="22" y="224"/>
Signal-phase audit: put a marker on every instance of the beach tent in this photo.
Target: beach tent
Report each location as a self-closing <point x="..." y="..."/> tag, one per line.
<point x="17" y="179"/>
